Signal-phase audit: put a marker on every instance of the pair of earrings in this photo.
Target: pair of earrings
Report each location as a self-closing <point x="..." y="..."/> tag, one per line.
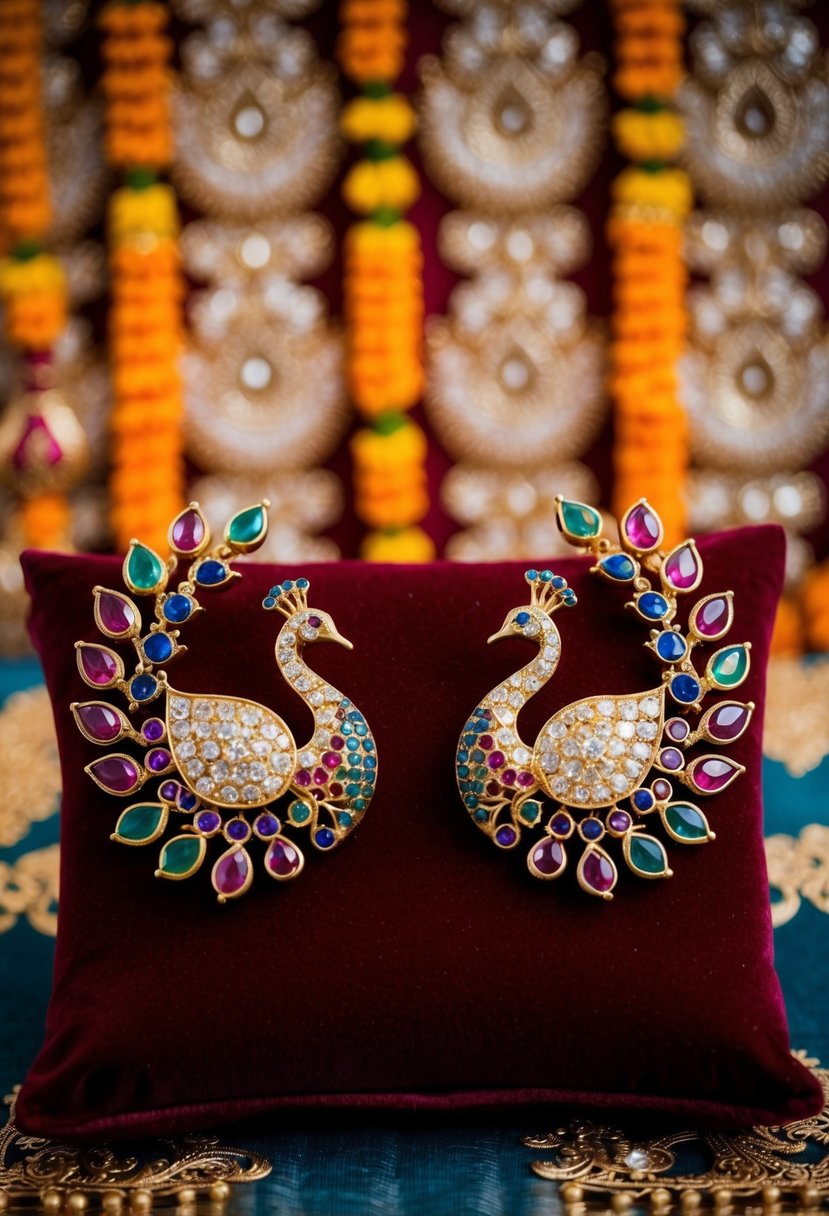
<point x="223" y="762"/>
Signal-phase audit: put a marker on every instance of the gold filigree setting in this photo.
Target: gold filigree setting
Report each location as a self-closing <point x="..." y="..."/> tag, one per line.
<point x="29" y="765"/>
<point x="798" y="869"/>
<point x="29" y="890"/>
<point x="796" y="730"/>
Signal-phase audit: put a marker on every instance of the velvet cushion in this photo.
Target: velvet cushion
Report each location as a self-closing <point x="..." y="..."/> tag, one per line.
<point x="416" y="966"/>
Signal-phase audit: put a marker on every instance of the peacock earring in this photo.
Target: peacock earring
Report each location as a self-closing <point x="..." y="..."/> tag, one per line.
<point x="228" y="768"/>
<point x="604" y="768"/>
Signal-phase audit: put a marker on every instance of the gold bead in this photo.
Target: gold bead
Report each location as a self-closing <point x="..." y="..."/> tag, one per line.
<point x="571" y="1192"/>
<point x="660" y="1198"/>
<point x="722" y="1198"/>
<point x="141" y="1201"/>
<point x="621" y="1201"/>
<point x="220" y="1192"/>
<point x="77" y="1202"/>
<point x="4" y="1201"/>
<point x="51" y="1201"/>
<point x="809" y="1197"/>
<point x="690" y="1200"/>
<point x="186" y="1195"/>
<point x="771" y="1194"/>
<point x="112" y="1202"/>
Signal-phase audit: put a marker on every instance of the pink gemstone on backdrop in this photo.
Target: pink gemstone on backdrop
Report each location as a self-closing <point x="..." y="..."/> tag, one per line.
<point x="712" y="774"/>
<point x="99" y="666"/>
<point x="100" y="721"/>
<point x="37" y="446"/>
<point x="188" y="531"/>
<point x="337" y="742"/>
<point x="524" y="778"/>
<point x="548" y="856"/>
<point x="496" y="760"/>
<point x="711" y="618"/>
<point x="320" y="776"/>
<point x="682" y="567"/>
<point x="508" y="776"/>
<point x="117" y="616"/>
<point x="642" y="527"/>
<point x="282" y="858"/>
<point x="231" y="872"/>
<point x="116" y="774"/>
<point x="486" y="742"/>
<point x="330" y="759"/>
<point x="598" y="872"/>
<point x="303" y="777"/>
<point x="728" y="721"/>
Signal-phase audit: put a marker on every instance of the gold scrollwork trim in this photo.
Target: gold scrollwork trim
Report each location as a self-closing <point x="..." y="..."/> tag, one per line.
<point x="29" y="888"/>
<point x="29" y="765"/>
<point x="798" y="869"/>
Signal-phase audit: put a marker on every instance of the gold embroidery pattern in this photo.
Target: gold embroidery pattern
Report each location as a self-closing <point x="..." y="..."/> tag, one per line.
<point x="775" y="1162"/>
<point x="798" y="869"/>
<point x="796" y="731"/>
<point x="29" y="888"/>
<point x="29" y="766"/>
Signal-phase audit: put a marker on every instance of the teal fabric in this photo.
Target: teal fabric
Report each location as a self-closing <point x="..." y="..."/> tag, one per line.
<point x="346" y="1166"/>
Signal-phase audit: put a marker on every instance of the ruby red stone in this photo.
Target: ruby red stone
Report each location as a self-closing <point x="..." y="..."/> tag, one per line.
<point x="508" y="776"/>
<point x="711" y="618"/>
<point x="525" y="779"/>
<point x="496" y="760"/>
<point x="231" y="872"/>
<point x="320" y="776"/>
<point x="682" y="567"/>
<point x="303" y="777"/>
<point x="100" y="721"/>
<point x="116" y="773"/>
<point x="728" y="721"/>
<point x="188" y="531"/>
<point x="117" y="616"/>
<point x="661" y="789"/>
<point x="493" y="787"/>
<point x="337" y="742"/>
<point x="642" y="527"/>
<point x="99" y="666"/>
<point x="282" y="858"/>
<point x="330" y="759"/>
<point x="713" y="774"/>
<point x="598" y="871"/>
<point x="548" y="856"/>
<point x="486" y="742"/>
<point x="335" y="789"/>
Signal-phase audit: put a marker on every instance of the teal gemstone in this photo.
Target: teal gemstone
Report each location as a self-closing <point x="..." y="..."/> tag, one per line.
<point x="463" y="770"/>
<point x="579" y="520"/>
<point x="141" y="823"/>
<point x="480" y="816"/>
<point x="529" y="812"/>
<point x="144" y="569"/>
<point x="360" y="804"/>
<point x="646" y="855"/>
<point x="686" y="822"/>
<point x="299" y="812"/>
<point x="247" y="527"/>
<point x="181" y="855"/>
<point x="729" y="666"/>
<point x="344" y="819"/>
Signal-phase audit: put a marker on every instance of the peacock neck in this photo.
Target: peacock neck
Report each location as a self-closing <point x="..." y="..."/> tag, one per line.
<point x="510" y="697"/>
<point x="322" y="698"/>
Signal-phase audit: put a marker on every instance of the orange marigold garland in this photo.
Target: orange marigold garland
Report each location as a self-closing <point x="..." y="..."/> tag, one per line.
<point x="147" y="479"/>
<point x="383" y="288"/>
<point x="651" y="198"/>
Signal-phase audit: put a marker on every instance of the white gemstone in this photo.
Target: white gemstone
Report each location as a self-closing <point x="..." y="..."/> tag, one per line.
<point x="281" y="763"/>
<point x="227" y="711"/>
<point x="204" y="785"/>
<point x="258" y="772"/>
<point x="316" y="697"/>
<point x="271" y="784"/>
<point x="331" y="693"/>
<point x="606" y="708"/>
<point x="521" y="756"/>
<point x="557" y="730"/>
<point x="219" y="770"/>
<point x="499" y="695"/>
<point x="186" y="749"/>
<point x="293" y="670"/>
<point x="515" y="680"/>
<point x="568" y="717"/>
<point x="631" y="768"/>
<point x="641" y="750"/>
<point x="584" y="713"/>
<point x="239" y="773"/>
<point x="302" y="684"/>
<point x="582" y="794"/>
<point x="572" y="768"/>
<point x="180" y="729"/>
<point x="625" y="730"/>
<point x="593" y="748"/>
<point x="560" y="785"/>
<point x="616" y="748"/>
<point x="505" y="737"/>
<point x="544" y="667"/>
<point x="226" y="730"/>
<point x="646" y="730"/>
<point x="601" y="793"/>
<point x="570" y="747"/>
<point x="549" y="761"/>
<point x="210" y="750"/>
<point x="180" y="708"/>
<point x="619" y="783"/>
<point x="203" y="710"/>
<point x="550" y="652"/>
<point x="250" y="715"/>
<point x="532" y="683"/>
<point x="531" y="629"/>
<point x="260" y="747"/>
<point x="204" y="729"/>
<point x="649" y="707"/>
<point x="288" y="637"/>
<point x="607" y="767"/>
<point x="603" y="729"/>
<point x="235" y="750"/>
<point x="282" y="741"/>
<point x="228" y="793"/>
<point x="637" y="1159"/>
<point x="194" y="768"/>
<point x="516" y="700"/>
<point x="629" y="711"/>
<point x="307" y="758"/>
<point x="505" y="715"/>
<point x="309" y="632"/>
<point x="251" y="793"/>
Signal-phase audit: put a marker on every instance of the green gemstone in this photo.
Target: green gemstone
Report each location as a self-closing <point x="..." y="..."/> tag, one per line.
<point x="145" y="570"/>
<point x="529" y="812"/>
<point x="686" y="822"/>
<point x="646" y="855"/>
<point x="729" y="666"/>
<point x="299" y="812"/>
<point x="247" y="527"/>
<point x="141" y="823"/>
<point x="579" y="520"/>
<point x="181" y="855"/>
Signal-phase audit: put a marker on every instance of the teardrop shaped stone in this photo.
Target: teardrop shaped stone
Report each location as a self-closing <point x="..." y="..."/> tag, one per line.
<point x="99" y="665"/>
<point x="579" y="520"/>
<point x="188" y="531"/>
<point x="547" y="857"/>
<point x="283" y="859"/>
<point x="619" y="567"/>
<point x="230" y="873"/>
<point x="144" y="569"/>
<point x="682" y="567"/>
<point x="643" y="527"/>
<point x="711" y="774"/>
<point x="118" y="774"/>
<point x="598" y="871"/>
<point x="248" y="526"/>
<point x="711" y="617"/>
<point x="100" y="721"/>
<point x="181" y="855"/>
<point x="116" y="613"/>
<point x="729" y="667"/>
<point x="686" y="821"/>
<point x="647" y="855"/>
<point x="140" y="823"/>
<point x="727" y="721"/>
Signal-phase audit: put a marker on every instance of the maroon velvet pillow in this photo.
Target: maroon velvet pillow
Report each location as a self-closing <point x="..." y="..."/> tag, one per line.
<point x="415" y="966"/>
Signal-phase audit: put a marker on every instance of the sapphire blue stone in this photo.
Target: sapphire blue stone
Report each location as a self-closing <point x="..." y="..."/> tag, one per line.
<point x="287" y="585"/>
<point x="210" y="573"/>
<point x="355" y="716"/>
<point x="560" y="825"/>
<point x="643" y="800"/>
<point x="371" y="761"/>
<point x="268" y="601"/>
<point x="237" y="830"/>
<point x="177" y="608"/>
<point x="352" y="744"/>
<point x="546" y="576"/>
<point x="522" y="618"/>
<point x="143" y="687"/>
<point x="592" y="829"/>
<point x="267" y="825"/>
<point x="671" y="646"/>
<point x="324" y="838"/>
<point x="302" y="583"/>
<point x="559" y="582"/>
<point x="531" y="575"/>
<point x="618" y="566"/>
<point x="158" y="647"/>
<point x="368" y="744"/>
<point x="187" y="801"/>
<point x="652" y="605"/>
<point x="685" y="689"/>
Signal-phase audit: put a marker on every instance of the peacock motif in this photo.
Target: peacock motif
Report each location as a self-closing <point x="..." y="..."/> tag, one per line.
<point x="587" y="778"/>
<point x="223" y="762"/>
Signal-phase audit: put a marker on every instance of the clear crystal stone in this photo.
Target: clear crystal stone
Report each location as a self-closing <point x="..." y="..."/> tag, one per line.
<point x="641" y="750"/>
<point x="210" y="750"/>
<point x="544" y="667"/>
<point x="557" y="730"/>
<point x="251" y="793"/>
<point x="227" y="711"/>
<point x="550" y="652"/>
<point x="179" y="707"/>
<point x="637" y="1159"/>
<point x="239" y="773"/>
<point x="532" y="683"/>
<point x="271" y="784"/>
<point x="180" y="729"/>
<point x="269" y="730"/>
<point x="235" y="750"/>
<point x="288" y="637"/>
<point x="316" y="697"/>
<point x="506" y="716"/>
<point x="204" y="785"/>
<point x="219" y="770"/>
<point x="629" y="711"/>
<point x="582" y="793"/>
<point x="521" y="756"/>
<point x="194" y="768"/>
<point x="331" y="693"/>
<point x="572" y="768"/>
<point x="228" y="793"/>
<point x="584" y="713"/>
<point x="204" y="729"/>
<point x="560" y="785"/>
<point x="309" y="632"/>
<point x="625" y="730"/>
<point x="649" y="707"/>
<point x="203" y="710"/>
<point x="226" y="730"/>
<point x="250" y="715"/>
<point x="606" y="709"/>
<point x="285" y="656"/>
<point x="498" y="696"/>
<point x="516" y="700"/>
<point x="593" y="747"/>
<point x="505" y="737"/>
<point x="570" y="747"/>
<point x="280" y="763"/>
<point x="258" y="772"/>
<point x="631" y="768"/>
<point x="515" y="680"/>
<point x="616" y="747"/>
<point x="260" y="747"/>
<point x="568" y="717"/>
<point x="619" y="783"/>
<point x="293" y="670"/>
<point x="186" y="749"/>
<point x="646" y="730"/>
<point x="549" y="761"/>
<point x="307" y="758"/>
<point x="601" y="793"/>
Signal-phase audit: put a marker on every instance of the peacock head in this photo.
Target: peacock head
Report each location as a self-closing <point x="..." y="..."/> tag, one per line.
<point x="549" y="592"/>
<point x="290" y="599"/>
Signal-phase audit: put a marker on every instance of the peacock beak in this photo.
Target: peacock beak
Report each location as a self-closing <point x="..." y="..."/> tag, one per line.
<point x="506" y="632"/>
<point x="335" y="636"/>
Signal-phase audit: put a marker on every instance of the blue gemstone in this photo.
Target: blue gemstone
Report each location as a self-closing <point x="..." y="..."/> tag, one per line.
<point x="143" y="687"/>
<point x="361" y="729"/>
<point x="354" y="774"/>
<point x="346" y="728"/>
<point x="353" y="791"/>
<point x="522" y="618"/>
<point x="559" y="582"/>
<point x="178" y="608"/>
<point x="238" y="830"/>
<point x="480" y="816"/>
<point x="478" y="756"/>
<point x="352" y="744"/>
<point x="344" y="704"/>
<point x="546" y="576"/>
<point x="591" y="829"/>
<point x="531" y="575"/>
<point x="368" y="744"/>
<point x="157" y="647"/>
<point x="302" y="583"/>
<point x="463" y="756"/>
<point x="618" y="566"/>
<point x="355" y="716"/>
<point x="187" y="801"/>
<point x="652" y="605"/>
<point x="324" y="838"/>
<point x="643" y="800"/>
<point x="368" y="780"/>
<point x="287" y="585"/>
<point x="344" y="819"/>
<point x="268" y="601"/>
<point x="560" y="825"/>
<point x="685" y="689"/>
<point x="471" y="801"/>
<point x="267" y="825"/>
<point x="359" y="804"/>
<point x="371" y="761"/>
<point x="211" y="572"/>
<point x="671" y="646"/>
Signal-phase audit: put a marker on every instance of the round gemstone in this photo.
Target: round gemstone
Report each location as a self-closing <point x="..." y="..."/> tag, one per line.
<point x="303" y="777"/>
<point x="116" y="614"/>
<point x="591" y="829"/>
<point x="661" y="789"/>
<point x="208" y="821"/>
<point x="496" y="760"/>
<point x="169" y="790"/>
<point x="330" y="759"/>
<point x="618" y="566"/>
<point x="211" y="572"/>
<point x="508" y="776"/>
<point x="486" y="742"/>
<point x="143" y="687"/>
<point x="237" y="829"/>
<point x="324" y="838"/>
<point x="642" y="527"/>
<point x="652" y="605"/>
<point x="643" y="800"/>
<point x="727" y="722"/>
<point x="158" y="647"/>
<point x="685" y="689"/>
<point x="158" y="759"/>
<point x="561" y="824"/>
<point x="231" y="872"/>
<point x="116" y="774"/>
<point x="153" y="730"/>
<point x="177" y="608"/>
<point x="506" y="836"/>
<point x="682" y="568"/>
<point x="337" y="742"/>
<point x="299" y="812"/>
<point x="619" y="821"/>
<point x="283" y="858"/>
<point x="101" y="722"/>
<point x="266" y="824"/>
<point x="99" y="666"/>
<point x="677" y="729"/>
<point x="670" y="646"/>
<point x="315" y="622"/>
<point x="547" y="857"/>
<point x="524" y="778"/>
<point x="671" y="758"/>
<point x="188" y="531"/>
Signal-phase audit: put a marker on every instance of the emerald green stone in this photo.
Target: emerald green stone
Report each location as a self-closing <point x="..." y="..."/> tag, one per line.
<point x="579" y="520"/>
<point x="529" y="812"/>
<point x="729" y="666"/>
<point x="145" y="570"/>
<point x="247" y="527"/>
<point x="181" y="855"/>
<point x="140" y="823"/>
<point x="647" y="855"/>
<point x="686" y="822"/>
<point x="299" y="812"/>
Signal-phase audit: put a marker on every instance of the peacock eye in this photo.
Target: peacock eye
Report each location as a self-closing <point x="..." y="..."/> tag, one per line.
<point x="314" y="622"/>
<point x="522" y="618"/>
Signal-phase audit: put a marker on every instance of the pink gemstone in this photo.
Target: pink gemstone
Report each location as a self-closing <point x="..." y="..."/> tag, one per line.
<point x="711" y="619"/>
<point x="713" y="774"/>
<point x="282" y="858"/>
<point x="320" y="776"/>
<point x="642" y="527"/>
<point x="508" y="775"/>
<point x="486" y="742"/>
<point x="728" y="721"/>
<point x="548" y="856"/>
<point x="231" y="872"/>
<point x="330" y="759"/>
<point x="598" y="872"/>
<point x="100" y="721"/>
<point x="303" y="777"/>
<point x="677" y="729"/>
<point x="116" y="774"/>
<point x="662" y="789"/>
<point x="337" y="742"/>
<point x="525" y="778"/>
<point x="99" y="665"/>
<point x="188" y="531"/>
<point x="117" y="616"/>
<point x="682" y="567"/>
<point x="496" y="759"/>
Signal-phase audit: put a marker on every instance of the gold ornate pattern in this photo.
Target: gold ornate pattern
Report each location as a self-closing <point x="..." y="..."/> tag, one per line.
<point x="796" y="731"/>
<point x="258" y="142"/>
<point x="32" y="1168"/>
<point x="776" y="1163"/>
<point x="29" y="766"/>
<point x="512" y="123"/>
<point x="798" y="869"/>
<point x="29" y="888"/>
<point x="755" y="377"/>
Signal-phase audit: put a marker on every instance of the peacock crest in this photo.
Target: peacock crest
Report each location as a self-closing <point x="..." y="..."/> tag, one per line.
<point x="228" y="768"/>
<point x="604" y="768"/>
